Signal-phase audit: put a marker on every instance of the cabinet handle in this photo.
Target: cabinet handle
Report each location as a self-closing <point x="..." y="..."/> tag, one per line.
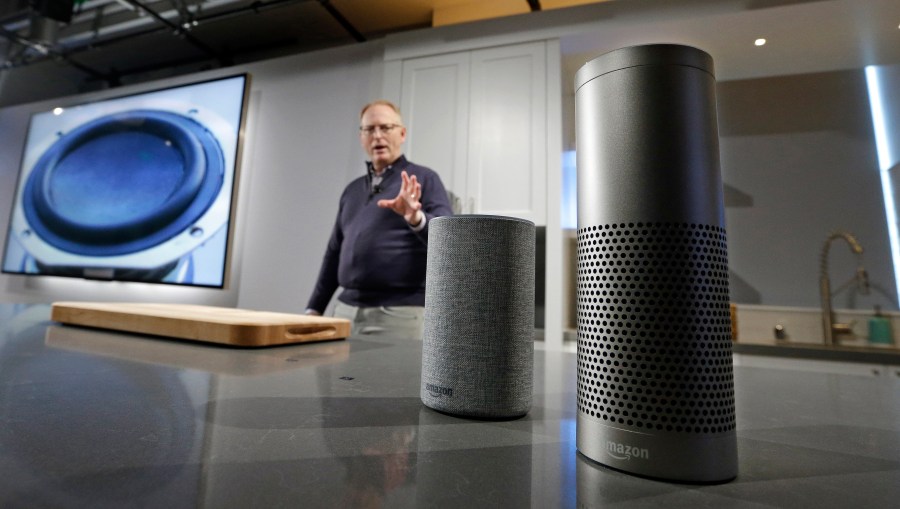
<point x="471" y="205"/>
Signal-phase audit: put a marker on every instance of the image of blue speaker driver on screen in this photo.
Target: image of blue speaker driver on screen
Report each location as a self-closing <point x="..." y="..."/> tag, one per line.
<point x="135" y="189"/>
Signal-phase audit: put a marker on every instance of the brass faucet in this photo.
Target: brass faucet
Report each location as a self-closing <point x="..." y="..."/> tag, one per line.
<point x="830" y="328"/>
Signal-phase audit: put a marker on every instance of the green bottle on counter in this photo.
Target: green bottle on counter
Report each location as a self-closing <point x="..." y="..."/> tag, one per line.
<point x="880" y="329"/>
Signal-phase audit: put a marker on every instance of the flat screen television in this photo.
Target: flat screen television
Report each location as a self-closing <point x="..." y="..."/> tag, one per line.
<point x="132" y="188"/>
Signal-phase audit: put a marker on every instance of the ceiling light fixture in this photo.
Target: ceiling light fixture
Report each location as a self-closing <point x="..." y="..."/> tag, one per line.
<point x="759" y="42"/>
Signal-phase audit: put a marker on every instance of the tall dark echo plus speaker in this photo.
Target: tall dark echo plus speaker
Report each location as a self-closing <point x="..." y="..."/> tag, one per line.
<point x="655" y="372"/>
<point x="478" y="346"/>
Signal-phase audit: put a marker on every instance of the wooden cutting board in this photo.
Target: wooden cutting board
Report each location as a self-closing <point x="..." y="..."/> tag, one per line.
<point x="229" y="326"/>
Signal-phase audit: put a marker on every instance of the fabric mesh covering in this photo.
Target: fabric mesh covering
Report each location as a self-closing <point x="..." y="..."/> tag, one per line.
<point x="478" y="346"/>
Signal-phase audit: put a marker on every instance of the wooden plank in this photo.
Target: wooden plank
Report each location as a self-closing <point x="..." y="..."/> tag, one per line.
<point x="229" y="326"/>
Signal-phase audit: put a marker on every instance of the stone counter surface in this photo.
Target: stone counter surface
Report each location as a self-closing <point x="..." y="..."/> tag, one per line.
<point x="99" y="419"/>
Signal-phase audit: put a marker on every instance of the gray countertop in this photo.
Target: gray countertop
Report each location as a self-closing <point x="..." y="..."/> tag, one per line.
<point x="97" y="419"/>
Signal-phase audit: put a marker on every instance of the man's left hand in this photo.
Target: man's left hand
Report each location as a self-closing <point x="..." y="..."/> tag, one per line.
<point x="407" y="202"/>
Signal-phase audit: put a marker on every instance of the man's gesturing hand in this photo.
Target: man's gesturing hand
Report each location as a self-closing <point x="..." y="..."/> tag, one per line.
<point x="407" y="202"/>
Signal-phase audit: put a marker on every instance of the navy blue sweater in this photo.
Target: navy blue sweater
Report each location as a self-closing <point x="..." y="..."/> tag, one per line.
<point x="373" y="254"/>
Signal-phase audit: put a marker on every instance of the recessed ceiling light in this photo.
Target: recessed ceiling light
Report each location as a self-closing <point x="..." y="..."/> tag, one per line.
<point x="759" y="42"/>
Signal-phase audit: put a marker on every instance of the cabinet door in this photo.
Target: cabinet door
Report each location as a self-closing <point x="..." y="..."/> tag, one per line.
<point x="435" y="102"/>
<point x="507" y="157"/>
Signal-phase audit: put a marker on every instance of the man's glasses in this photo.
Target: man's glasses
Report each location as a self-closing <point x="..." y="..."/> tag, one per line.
<point x="369" y="130"/>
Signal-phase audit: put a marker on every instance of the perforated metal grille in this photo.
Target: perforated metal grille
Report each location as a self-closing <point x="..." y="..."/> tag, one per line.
<point x="654" y="327"/>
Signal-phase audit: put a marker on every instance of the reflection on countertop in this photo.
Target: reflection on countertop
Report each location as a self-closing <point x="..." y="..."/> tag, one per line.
<point x="214" y="358"/>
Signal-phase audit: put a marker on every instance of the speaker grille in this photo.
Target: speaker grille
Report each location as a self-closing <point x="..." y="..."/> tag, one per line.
<point x="654" y="327"/>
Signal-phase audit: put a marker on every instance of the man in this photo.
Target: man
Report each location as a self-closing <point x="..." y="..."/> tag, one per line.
<point x="377" y="250"/>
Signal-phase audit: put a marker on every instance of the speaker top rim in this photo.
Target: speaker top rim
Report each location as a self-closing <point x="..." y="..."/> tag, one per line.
<point x="644" y="55"/>
<point x="458" y="217"/>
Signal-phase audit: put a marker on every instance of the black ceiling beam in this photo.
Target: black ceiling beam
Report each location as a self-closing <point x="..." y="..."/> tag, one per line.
<point x="14" y="37"/>
<point x="336" y="14"/>
<point x="175" y="63"/>
<point x="114" y="76"/>
<point x="534" y="4"/>
<point x="183" y="33"/>
<point x="255" y="7"/>
<point x="58" y="10"/>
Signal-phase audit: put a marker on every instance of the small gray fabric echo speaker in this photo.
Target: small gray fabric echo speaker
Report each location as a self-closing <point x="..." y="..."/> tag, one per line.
<point x="478" y="346"/>
<point x="655" y="373"/>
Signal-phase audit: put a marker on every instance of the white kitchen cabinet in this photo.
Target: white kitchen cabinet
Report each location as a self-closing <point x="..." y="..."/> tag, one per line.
<point x="435" y="105"/>
<point x="480" y="119"/>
